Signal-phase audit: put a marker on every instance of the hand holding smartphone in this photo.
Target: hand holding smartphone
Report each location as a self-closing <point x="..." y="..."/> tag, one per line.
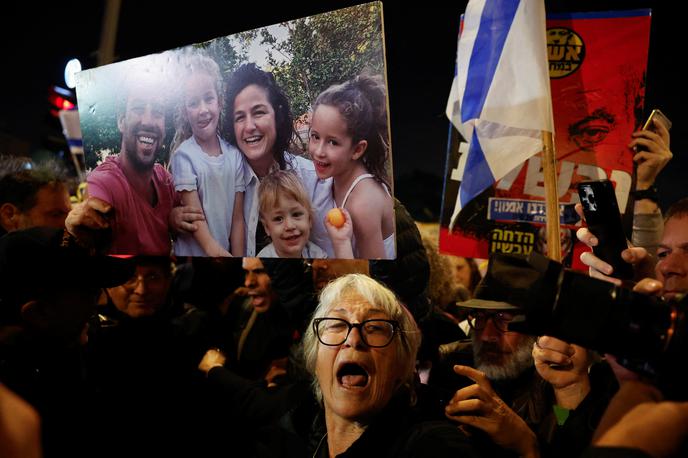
<point x="602" y="215"/>
<point x="655" y="115"/>
<point x="659" y="116"/>
<point x="651" y="145"/>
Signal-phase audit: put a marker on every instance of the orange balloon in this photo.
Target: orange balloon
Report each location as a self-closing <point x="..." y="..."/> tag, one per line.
<point x="336" y="217"/>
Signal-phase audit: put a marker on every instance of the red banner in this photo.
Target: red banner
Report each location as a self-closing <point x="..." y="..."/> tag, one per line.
<point x="597" y="65"/>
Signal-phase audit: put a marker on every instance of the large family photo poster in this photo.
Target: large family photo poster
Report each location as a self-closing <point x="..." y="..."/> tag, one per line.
<point x="266" y="131"/>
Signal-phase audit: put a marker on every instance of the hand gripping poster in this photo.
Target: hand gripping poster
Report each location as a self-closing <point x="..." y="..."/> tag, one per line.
<point x="597" y="69"/>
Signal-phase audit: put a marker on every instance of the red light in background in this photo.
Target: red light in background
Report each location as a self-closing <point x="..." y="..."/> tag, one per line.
<point x="59" y="99"/>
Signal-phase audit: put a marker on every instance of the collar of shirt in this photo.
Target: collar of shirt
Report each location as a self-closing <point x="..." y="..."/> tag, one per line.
<point x="251" y="216"/>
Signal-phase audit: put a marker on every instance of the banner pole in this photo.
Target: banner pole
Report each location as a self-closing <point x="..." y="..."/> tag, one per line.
<point x="549" y="170"/>
<point x="108" y="35"/>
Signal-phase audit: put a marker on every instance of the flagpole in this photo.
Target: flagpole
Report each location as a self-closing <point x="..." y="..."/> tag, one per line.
<point x="549" y="169"/>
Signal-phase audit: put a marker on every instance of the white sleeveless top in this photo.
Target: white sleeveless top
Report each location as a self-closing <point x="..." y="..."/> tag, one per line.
<point x="388" y="243"/>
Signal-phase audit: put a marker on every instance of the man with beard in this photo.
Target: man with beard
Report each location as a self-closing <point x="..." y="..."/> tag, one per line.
<point x="499" y="397"/>
<point x="545" y="406"/>
<point x="130" y="193"/>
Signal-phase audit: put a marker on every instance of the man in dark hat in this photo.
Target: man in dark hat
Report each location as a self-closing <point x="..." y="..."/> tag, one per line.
<point x="48" y="292"/>
<point x="499" y="353"/>
<point x="501" y="363"/>
<point x="509" y="399"/>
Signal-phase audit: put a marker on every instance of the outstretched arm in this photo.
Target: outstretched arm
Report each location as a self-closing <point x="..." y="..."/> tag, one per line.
<point x="251" y="401"/>
<point x="88" y="221"/>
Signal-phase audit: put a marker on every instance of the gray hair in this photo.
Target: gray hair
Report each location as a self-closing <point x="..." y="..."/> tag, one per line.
<point x="380" y="297"/>
<point x="516" y="364"/>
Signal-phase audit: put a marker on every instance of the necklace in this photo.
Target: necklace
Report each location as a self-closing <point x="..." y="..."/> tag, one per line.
<point x="317" y="449"/>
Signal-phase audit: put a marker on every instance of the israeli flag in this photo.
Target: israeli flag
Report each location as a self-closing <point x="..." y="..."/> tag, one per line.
<point x="500" y="99"/>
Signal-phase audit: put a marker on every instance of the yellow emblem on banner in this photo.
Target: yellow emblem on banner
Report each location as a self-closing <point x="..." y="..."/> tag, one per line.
<point x="565" y="51"/>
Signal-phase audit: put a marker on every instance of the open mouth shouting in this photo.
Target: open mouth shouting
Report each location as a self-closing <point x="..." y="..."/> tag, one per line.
<point x="258" y="300"/>
<point x="352" y="376"/>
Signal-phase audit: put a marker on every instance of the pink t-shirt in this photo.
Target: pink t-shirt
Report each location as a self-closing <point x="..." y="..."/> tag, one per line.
<point x="137" y="227"/>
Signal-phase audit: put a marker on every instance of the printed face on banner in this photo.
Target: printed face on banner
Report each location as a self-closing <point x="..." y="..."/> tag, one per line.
<point x="597" y="72"/>
<point x="203" y="124"/>
<point x="596" y="113"/>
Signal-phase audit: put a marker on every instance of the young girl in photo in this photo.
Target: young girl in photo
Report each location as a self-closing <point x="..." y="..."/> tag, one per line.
<point x="287" y="216"/>
<point x="349" y="142"/>
<point x="207" y="171"/>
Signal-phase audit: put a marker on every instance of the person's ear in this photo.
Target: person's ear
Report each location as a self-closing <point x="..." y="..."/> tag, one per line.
<point x="34" y="313"/>
<point x="9" y="216"/>
<point x="359" y="149"/>
<point x="120" y="122"/>
<point x="265" y="226"/>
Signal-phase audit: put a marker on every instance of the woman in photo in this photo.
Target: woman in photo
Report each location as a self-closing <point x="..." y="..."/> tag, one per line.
<point x="262" y="128"/>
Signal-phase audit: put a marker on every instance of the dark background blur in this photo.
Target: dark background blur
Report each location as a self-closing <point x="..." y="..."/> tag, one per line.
<point x="39" y="38"/>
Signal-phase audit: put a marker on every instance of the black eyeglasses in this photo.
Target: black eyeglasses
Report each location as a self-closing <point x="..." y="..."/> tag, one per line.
<point x="374" y="333"/>
<point x="478" y="320"/>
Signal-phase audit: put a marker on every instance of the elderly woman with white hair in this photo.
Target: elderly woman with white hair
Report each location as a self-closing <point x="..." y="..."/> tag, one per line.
<point x="360" y="348"/>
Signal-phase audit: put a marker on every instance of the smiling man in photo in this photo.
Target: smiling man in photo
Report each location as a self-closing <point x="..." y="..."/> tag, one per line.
<point x="137" y="193"/>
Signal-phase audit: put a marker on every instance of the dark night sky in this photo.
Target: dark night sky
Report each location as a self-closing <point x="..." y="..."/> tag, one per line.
<point x="38" y="39"/>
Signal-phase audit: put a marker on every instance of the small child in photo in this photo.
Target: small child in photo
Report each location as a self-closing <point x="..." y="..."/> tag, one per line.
<point x="207" y="171"/>
<point x="287" y="216"/>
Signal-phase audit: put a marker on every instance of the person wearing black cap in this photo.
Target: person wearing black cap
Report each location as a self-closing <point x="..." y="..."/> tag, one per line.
<point x="48" y="292"/>
<point x="503" y="364"/>
<point x="520" y="403"/>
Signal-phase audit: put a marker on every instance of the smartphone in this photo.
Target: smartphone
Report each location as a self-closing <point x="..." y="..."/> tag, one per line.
<point x="602" y="215"/>
<point x="661" y="117"/>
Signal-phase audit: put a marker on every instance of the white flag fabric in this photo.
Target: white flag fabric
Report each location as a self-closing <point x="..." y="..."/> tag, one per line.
<point x="500" y="99"/>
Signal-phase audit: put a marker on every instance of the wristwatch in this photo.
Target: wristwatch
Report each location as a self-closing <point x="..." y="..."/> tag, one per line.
<point x="649" y="193"/>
